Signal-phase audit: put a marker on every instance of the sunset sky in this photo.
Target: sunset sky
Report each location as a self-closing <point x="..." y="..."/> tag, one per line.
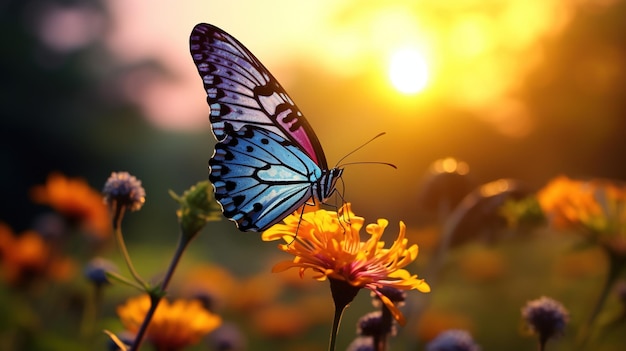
<point x="461" y="44"/>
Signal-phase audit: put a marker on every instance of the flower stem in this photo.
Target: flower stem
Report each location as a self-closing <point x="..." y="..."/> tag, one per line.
<point x="117" y="227"/>
<point x="616" y="264"/>
<point x="121" y="279"/>
<point x="343" y="293"/>
<point x="380" y="339"/>
<point x="183" y="241"/>
<point x="154" y="303"/>
<point x="90" y="313"/>
<point x="335" y="330"/>
<point x="157" y="294"/>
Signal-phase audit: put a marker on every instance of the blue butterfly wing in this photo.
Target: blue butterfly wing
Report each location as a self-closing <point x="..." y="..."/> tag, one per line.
<point x="268" y="161"/>
<point x="260" y="177"/>
<point x="241" y="91"/>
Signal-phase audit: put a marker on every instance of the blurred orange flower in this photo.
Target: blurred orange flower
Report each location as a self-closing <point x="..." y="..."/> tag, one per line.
<point x="211" y="282"/>
<point x="174" y="325"/>
<point x="329" y="244"/>
<point x="255" y="292"/>
<point x="597" y="206"/>
<point x="75" y="199"/>
<point x="22" y="256"/>
<point x="27" y="256"/>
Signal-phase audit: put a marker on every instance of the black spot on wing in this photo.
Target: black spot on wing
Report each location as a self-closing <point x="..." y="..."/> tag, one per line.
<point x="228" y="128"/>
<point x="213" y="178"/>
<point x="222" y="153"/>
<point x="246" y="224"/>
<point x="230" y="185"/>
<point x="223" y="109"/>
<point x="238" y="200"/>
<point x="224" y="170"/>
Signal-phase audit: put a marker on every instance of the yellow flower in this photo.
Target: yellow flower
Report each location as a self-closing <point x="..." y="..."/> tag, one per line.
<point x="174" y="325"/>
<point x="329" y="244"/>
<point x="75" y="199"/>
<point x="597" y="206"/>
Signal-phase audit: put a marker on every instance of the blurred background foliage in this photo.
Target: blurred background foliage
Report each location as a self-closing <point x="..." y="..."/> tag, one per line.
<point x="521" y="90"/>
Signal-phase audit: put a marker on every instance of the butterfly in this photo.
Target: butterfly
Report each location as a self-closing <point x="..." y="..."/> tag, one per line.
<point x="268" y="161"/>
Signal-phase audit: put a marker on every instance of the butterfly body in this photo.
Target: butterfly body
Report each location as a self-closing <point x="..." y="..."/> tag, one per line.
<point x="268" y="161"/>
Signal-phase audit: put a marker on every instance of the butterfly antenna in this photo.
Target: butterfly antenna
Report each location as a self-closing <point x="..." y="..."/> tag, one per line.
<point x="369" y="162"/>
<point x="339" y="164"/>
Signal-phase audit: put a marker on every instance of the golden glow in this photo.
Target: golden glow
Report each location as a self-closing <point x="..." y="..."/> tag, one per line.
<point x="471" y="36"/>
<point x="450" y="165"/>
<point x="478" y="52"/>
<point x="408" y="71"/>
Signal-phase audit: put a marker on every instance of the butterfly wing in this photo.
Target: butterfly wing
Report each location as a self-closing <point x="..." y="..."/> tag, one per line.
<point x="260" y="177"/>
<point x="241" y="91"/>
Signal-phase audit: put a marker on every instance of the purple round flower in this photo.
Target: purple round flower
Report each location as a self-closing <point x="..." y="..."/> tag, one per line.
<point x="228" y="337"/>
<point x="97" y="269"/>
<point x="361" y="343"/>
<point x="545" y="317"/>
<point x="453" y="340"/>
<point x="124" y="190"/>
<point x="373" y="324"/>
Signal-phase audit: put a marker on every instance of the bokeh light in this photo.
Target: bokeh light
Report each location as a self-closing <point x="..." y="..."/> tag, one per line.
<point x="408" y="71"/>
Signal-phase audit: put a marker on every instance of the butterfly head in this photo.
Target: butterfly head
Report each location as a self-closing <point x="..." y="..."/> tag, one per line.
<point x="327" y="183"/>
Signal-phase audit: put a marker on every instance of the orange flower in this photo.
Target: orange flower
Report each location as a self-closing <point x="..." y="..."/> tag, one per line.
<point x="255" y="292"/>
<point x="210" y="281"/>
<point x="23" y="256"/>
<point x="74" y="198"/>
<point x="28" y="256"/>
<point x="598" y="207"/>
<point x="329" y="244"/>
<point x="569" y="203"/>
<point x="174" y="325"/>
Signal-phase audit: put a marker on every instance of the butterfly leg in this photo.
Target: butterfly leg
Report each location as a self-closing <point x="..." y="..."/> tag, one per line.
<point x="344" y="218"/>
<point x="300" y="220"/>
<point x="310" y="202"/>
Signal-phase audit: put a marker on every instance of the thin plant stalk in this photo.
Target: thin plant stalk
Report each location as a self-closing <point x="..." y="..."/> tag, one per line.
<point x="616" y="264"/>
<point x="335" y="329"/>
<point x="117" y="225"/>
<point x="542" y="343"/>
<point x="157" y="295"/>
<point x="380" y="339"/>
<point x="90" y="312"/>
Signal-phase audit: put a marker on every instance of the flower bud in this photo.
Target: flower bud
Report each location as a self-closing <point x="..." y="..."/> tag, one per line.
<point x="197" y="207"/>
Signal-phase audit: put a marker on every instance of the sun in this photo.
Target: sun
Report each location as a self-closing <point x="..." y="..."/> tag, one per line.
<point x="408" y="71"/>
